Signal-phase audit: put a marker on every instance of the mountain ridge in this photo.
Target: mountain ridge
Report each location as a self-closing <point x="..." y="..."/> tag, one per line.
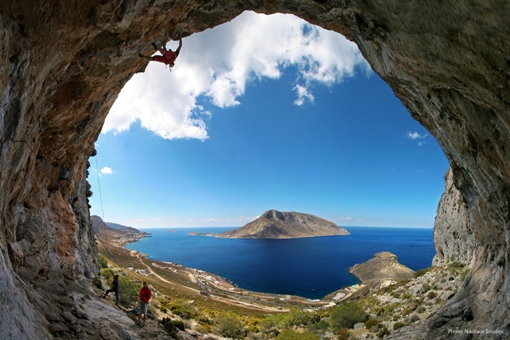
<point x="274" y="224"/>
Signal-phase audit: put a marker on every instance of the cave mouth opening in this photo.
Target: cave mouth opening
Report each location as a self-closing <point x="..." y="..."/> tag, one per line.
<point x="266" y="112"/>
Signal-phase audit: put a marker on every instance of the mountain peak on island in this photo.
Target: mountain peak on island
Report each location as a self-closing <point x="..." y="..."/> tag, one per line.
<point x="276" y="224"/>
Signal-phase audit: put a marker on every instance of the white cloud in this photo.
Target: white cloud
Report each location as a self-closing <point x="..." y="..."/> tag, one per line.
<point x="106" y="171"/>
<point x="417" y="137"/>
<point x="218" y="64"/>
<point x="302" y="93"/>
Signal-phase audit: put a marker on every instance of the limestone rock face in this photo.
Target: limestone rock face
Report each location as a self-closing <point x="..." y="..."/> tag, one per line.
<point x="453" y="237"/>
<point x="276" y="224"/>
<point x="63" y="64"/>
<point x="383" y="266"/>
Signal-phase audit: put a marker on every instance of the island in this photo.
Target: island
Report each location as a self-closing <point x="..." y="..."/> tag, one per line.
<point x="274" y="224"/>
<point x="384" y="266"/>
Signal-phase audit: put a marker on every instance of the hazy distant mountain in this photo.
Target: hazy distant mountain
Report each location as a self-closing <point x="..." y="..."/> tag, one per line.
<point x="276" y="224"/>
<point x="115" y="225"/>
<point x="118" y="234"/>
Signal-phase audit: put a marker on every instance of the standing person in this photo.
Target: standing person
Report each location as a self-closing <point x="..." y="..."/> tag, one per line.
<point x="168" y="56"/>
<point x="145" y="296"/>
<point x="114" y="288"/>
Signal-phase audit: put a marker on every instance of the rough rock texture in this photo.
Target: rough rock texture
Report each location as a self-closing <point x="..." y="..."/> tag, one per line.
<point x="63" y="64"/>
<point x="453" y="238"/>
<point x="276" y="224"/>
<point x="383" y="266"/>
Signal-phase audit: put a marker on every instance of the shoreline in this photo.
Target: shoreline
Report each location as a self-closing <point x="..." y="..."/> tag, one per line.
<point x="329" y="300"/>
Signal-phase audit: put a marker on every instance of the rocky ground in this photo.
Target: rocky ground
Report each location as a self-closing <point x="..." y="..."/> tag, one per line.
<point x="406" y="305"/>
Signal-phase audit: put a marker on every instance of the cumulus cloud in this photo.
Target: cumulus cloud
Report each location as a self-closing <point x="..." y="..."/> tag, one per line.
<point x="415" y="136"/>
<point x="106" y="171"/>
<point x="218" y="64"/>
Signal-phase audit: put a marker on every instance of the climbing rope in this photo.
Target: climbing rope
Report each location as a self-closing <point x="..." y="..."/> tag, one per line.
<point x="101" y="200"/>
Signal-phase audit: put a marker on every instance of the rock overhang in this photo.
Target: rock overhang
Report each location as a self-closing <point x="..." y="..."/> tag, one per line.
<point x="64" y="65"/>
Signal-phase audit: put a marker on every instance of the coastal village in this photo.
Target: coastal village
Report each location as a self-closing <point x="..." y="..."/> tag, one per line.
<point x="190" y="303"/>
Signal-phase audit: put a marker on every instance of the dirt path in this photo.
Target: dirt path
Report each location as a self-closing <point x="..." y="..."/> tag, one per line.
<point x="212" y="296"/>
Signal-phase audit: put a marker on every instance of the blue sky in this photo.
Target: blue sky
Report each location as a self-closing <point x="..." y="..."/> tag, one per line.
<point x="265" y="112"/>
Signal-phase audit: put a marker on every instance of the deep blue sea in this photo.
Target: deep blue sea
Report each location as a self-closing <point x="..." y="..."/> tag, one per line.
<point x="307" y="267"/>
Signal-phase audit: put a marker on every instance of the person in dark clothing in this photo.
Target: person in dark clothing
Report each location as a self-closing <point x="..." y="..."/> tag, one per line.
<point x="167" y="57"/>
<point x="114" y="288"/>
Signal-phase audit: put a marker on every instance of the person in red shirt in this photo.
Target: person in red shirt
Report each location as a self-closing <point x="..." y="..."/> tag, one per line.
<point x="145" y="296"/>
<point x="167" y="57"/>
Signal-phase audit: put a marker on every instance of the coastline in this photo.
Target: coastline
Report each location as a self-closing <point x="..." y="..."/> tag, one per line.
<point x="194" y="233"/>
<point x="212" y="284"/>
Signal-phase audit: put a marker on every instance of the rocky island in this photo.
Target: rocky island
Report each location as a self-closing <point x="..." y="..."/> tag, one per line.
<point x="276" y="225"/>
<point x="383" y="266"/>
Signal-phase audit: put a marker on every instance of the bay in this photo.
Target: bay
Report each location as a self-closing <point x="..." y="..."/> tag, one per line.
<point x="308" y="267"/>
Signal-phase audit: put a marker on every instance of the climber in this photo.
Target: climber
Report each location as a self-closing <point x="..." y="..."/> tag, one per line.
<point x="145" y="296"/>
<point x="168" y="56"/>
<point x="114" y="288"/>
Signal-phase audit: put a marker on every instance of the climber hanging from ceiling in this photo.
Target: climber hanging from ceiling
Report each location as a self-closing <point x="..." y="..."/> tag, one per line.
<point x="167" y="56"/>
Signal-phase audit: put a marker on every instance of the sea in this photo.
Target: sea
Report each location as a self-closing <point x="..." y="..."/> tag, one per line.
<point x="308" y="267"/>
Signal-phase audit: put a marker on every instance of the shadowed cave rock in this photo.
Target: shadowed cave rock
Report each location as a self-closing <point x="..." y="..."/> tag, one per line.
<point x="64" y="63"/>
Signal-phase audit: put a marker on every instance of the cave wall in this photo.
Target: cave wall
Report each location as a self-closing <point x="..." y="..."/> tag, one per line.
<point x="63" y="64"/>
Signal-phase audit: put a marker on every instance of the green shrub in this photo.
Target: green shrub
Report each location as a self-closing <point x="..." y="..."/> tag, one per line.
<point x="464" y="274"/>
<point x="426" y="287"/>
<point x="289" y="334"/>
<point x="346" y="316"/>
<point x="318" y="327"/>
<point x="203" y="328"/>
<point x="456" y="264"/>
<point x="128" y="291"/>
<point x="295" y="317"/>
<point x="431" y="295"/>
<point x="398" y="325"/>
<point x="172" y="326"/>
<point x="180" y="310"/>
<point x="107" y="273"/>
<point x="406" y="296"/>
<point x="229" y="326"/>
<point x="371" y="323"/>
<point x="179" y="324"/>
<point x="343" y="334"/>
<point x="420" y="272"/>
<point x="203" y="319"/>
<point x="103" y="261"/>
<point x="383" y="332"/>
<point x="269" y="326"/>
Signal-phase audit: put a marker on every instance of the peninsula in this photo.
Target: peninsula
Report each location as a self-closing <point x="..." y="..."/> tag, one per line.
<point x="274" y="224"/>
<point x="383" y="266"/>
